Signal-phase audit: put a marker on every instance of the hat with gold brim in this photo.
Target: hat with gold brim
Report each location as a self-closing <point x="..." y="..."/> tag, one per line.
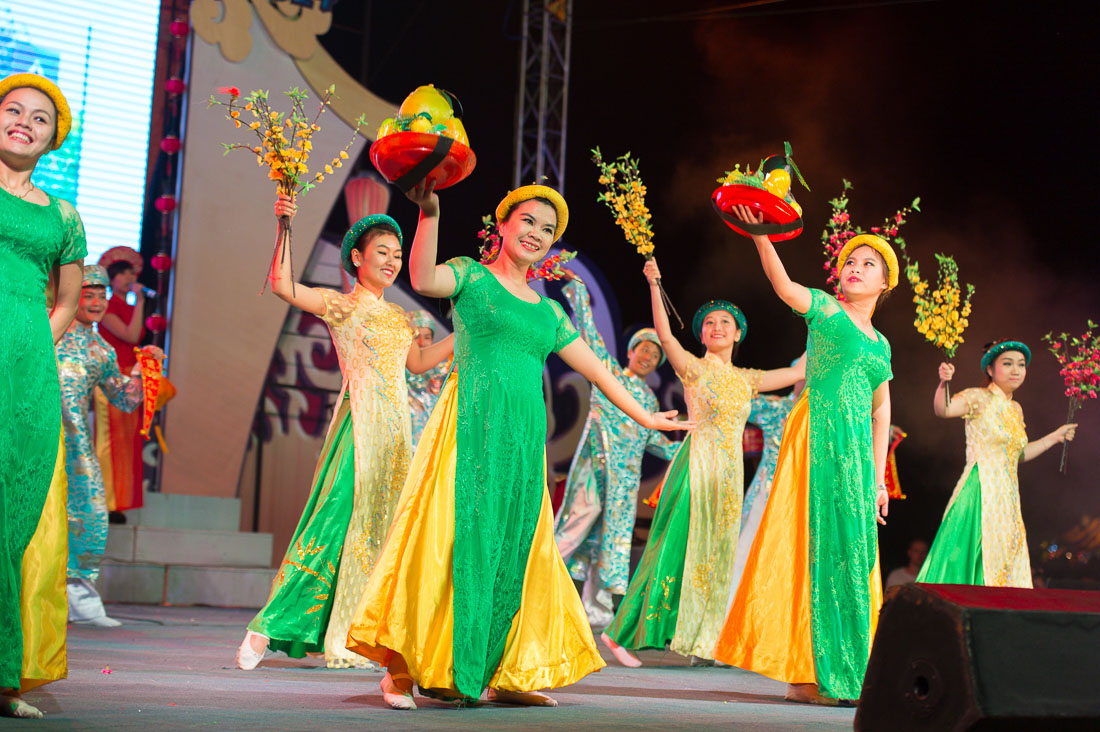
<point x="526" y="193"/>
<point x="47" y="87"/>
<point x="881" y="246"/>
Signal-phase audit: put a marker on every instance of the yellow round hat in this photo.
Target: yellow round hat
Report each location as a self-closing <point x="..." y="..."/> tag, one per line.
<point x="47" y="87"/>
<point x="881" y="246"/>
<point x="526" y="193"/>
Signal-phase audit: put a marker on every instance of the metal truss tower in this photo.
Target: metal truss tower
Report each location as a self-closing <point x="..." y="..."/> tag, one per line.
<point x="542" y="103"/>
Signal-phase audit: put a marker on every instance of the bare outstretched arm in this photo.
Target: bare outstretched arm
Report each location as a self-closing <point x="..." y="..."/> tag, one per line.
<point x="428" y="357"/>
<point x="299" y="295"/>
<point x="795" y="295"/>
<point x="428" y="277"/>
<point x="674" y="352"/>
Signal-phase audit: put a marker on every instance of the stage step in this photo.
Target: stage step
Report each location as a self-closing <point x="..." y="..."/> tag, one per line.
<point x="160" y="545"/>
<point x="176" y="584"/>
<point x="181" y="511"/>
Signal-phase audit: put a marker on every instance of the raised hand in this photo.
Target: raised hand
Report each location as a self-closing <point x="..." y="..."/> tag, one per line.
<point x="652" y="272"/>
<point x="285" y="206"/>
<point x="947" y="371"/>
<point x="423" y="195"/>
<point x="747" y="215"/>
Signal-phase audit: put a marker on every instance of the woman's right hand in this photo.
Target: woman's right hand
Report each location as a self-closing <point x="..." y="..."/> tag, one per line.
<point x="423" y="195"/>
<point x="652" y="273"/>
<point x="285" y="206"/>
<point x="947" y="370"/>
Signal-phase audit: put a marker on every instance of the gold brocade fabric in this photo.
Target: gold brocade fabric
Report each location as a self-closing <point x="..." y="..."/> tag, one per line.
<point x="43" y="605"/>
<point x="995" y="440"/>
<point x="372" y="339"/>
<point x="768" y="627"/>
<point x="718" y="397"/>
<point x="408" y="603"/>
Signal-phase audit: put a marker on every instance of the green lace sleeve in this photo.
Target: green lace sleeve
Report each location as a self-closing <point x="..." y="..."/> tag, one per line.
<point x="566" y="333"/>
<point x="822" y="306"/>
<point x="461" y="266"/>
<point x="74" y="247"/>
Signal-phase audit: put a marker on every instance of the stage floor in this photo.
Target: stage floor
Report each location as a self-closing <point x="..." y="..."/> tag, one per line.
<point x="171" y="668"/>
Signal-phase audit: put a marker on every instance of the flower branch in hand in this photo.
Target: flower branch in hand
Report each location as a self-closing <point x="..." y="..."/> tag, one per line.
<point x="1079" y="361"/>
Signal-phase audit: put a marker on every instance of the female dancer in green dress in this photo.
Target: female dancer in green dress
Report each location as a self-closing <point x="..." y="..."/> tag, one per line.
<point x="39" y="235"/>
<point x="982" y="540"/>
<point x="365" y="455"/>
<point x="806" y="608"/>
<point x="680" y="591"/>
<point x="470" y="590"/>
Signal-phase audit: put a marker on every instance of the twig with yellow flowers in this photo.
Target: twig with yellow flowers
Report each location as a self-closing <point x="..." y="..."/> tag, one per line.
<point x="624" y="193"/>
<point x="285" y="145"/>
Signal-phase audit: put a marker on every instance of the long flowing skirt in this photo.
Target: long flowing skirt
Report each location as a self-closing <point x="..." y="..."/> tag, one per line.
<point x="769" y="627"/>
<point x="42" y="604"/>
<point x="956" y="554"/>
<point x="408" y="605"/>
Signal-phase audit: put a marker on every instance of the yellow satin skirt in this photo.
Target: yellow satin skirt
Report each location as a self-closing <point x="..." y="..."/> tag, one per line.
<point x="407" y="606"/>
<point x="43" y="604"/>
<point x="768" y="627"/>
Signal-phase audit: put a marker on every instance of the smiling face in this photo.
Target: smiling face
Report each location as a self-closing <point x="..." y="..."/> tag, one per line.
<point x="528" y="231"/>
<point x="378" y="260"/>
<point x="644" y="358"/>
<point x="863" y="274"/>
<point x="1008" y="371"/>
<point x="93" y="305"/>
<point x="719" y="331"/>
<point x="28" y="123"/>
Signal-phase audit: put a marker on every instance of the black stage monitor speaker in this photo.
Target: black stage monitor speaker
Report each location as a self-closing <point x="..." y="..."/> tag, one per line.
<point x="955" y="657"/>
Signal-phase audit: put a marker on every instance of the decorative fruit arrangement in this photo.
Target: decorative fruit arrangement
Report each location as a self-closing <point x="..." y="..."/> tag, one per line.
<point x="766" y="190"/>
<point x="427" y="110"/>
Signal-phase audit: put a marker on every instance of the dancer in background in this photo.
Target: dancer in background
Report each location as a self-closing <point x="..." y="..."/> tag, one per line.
<point x="119" y="441"/>
<point x="982" y="540"/>
<point x="470" y="591"/>
<point x="424" y="388"/>
<point x="680" y="591"/>
<point x="85" y="363"/>
<point x="365" y="456"/>
<point x="38" y="234"/>
<point x="594" y="527"/>
<point x="806" y="608"/>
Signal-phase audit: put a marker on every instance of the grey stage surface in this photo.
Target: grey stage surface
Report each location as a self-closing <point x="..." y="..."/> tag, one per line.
<point x="172" y="669"/>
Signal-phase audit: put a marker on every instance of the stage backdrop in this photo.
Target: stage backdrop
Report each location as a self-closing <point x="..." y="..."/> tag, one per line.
<point x="223" y="332"/>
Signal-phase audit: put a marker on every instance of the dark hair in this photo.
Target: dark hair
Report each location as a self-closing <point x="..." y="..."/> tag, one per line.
<point x="52" y="104"/>
<point x="373" y="233"/>
<point x="114" y="269"/>
<point x="885" y="273"/>
<point x="540" y="199"/>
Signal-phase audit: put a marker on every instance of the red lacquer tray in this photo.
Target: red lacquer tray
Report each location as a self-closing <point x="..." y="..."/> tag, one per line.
<point x="406" y="158"/>
<point x="781" y="221"/>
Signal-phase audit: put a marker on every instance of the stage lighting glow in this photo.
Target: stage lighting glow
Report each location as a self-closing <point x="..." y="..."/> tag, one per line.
<point x="102" y="54"/>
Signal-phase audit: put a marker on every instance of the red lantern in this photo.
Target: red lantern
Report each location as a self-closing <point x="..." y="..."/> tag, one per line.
<point x="179" y="28"/>
<point x="166" y="203"/>
<point x="175" y="85"/>
<point x="366" y="195"/>
<point x="171" y="144"/>
<point x="161" y="262"/>
<point x="156" y="322"/>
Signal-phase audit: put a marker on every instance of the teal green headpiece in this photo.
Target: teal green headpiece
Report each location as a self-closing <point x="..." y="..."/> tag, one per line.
<point x="647" y="334"/>
<point x="712" y="305"/>
<point x="357" y="230"/>
<point x="999" y="347"/>
<point x="421" y="319"/>
<point x="95" y="276"/>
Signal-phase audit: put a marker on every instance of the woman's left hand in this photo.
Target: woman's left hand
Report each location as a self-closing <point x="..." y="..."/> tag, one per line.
<point x="882" y="505"/>
<point x="664" y="421"/>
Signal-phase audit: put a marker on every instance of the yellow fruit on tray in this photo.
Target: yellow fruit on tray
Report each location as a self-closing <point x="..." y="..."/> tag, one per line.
<point x="778" y="183"/>
<point x="388" y="127"/>
<point x="454" y="129"/>
<point x="427" y="99"/>
<point x="796" y="207"/>
<point x="420" y="124"/>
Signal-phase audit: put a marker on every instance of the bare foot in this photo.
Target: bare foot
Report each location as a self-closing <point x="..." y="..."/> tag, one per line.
<point x="520" y="698"/>
<point x="622" y="655"/>
<point x="808" y="694"/>
<point x="12" y="705"/>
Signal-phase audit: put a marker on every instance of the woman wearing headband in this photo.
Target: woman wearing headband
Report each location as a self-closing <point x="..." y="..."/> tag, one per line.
<point x="470" y="591"/>
<point x="595" y="525"/>
<point x="981" y="540"/>
<point x="680" y="591"/>
<point x="39" y="235"/>
<point x="806" y="607"/>
<point x="365" y="456"/>
<point x="424" y="388"/>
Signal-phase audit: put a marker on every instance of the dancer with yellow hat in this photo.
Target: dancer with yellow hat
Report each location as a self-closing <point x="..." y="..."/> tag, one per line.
<point x="680" y="591"/>
<point x="39" y="235"/>
<point x="470" y="591"/>
<point x="806" y="607"/>
<point x="365" y="456"/>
